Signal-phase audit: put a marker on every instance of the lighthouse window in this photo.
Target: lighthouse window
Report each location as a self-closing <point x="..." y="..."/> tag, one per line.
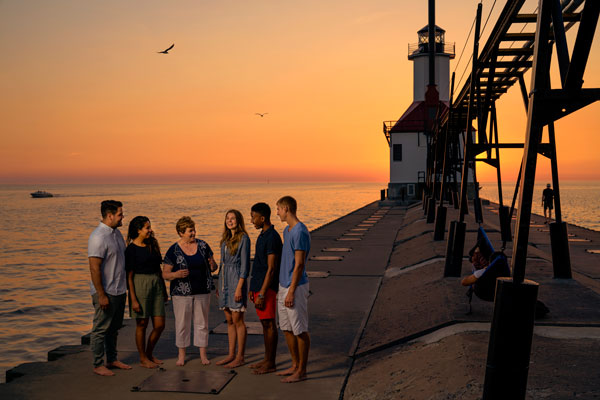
<point x="397" y="156"/>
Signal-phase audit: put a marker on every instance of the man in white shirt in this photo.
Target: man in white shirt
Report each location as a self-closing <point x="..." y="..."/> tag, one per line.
<point x="106" y="254"/>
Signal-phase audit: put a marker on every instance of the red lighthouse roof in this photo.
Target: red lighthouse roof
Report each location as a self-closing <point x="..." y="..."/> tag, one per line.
<point x="415" y="117"/>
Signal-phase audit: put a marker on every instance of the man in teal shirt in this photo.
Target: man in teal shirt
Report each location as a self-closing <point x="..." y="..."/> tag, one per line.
<point x="292" y="298"/>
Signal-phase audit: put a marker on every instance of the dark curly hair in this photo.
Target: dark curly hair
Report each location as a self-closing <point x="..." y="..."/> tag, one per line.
<point x="135" y="226"/>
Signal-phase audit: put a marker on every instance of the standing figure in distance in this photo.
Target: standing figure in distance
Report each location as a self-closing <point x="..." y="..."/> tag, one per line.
<point x="188" y="264"/>
<point x="106" y="255"/>
<point x="147" y="291"/>
<point x="264" y="283"/>
<point x="233" y="288"/>
<point x="548" y="202"/>
<point x="292" y="298"/>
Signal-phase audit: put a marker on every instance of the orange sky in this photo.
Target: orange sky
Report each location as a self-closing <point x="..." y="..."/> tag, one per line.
<point x="86" y="98"/>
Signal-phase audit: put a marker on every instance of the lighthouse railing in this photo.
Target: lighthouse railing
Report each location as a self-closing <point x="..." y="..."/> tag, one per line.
<point x="445" y="48"/>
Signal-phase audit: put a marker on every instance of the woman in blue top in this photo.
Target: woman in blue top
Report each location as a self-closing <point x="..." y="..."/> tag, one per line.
<point x="233" y="288"/>
<point x="188" y="265"/>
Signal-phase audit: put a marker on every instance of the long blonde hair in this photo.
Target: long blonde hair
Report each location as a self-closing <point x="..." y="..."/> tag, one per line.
<point x="233" y="241"/>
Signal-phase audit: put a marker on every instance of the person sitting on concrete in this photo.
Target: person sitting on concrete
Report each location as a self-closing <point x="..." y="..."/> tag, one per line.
<point x="488" y="265"/>
<point x="483" y="279"/>
<point x="480" y="262"/>
<point x="479" y="256"/>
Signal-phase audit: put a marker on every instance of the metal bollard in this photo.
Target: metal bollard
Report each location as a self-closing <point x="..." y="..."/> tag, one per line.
<point x="455" y="200"/>
<point x="511" y="335"/>
<point x="459" y="245"/>
<point x="478" y="210"/>
<point x="431" y="210"/>
<point x="559" y="241"/>
<point x="504" y="215"/>
<point x="449" y="247"/>
<point x="440" y="223"/>
<point x="454" y="249"/>
<point x="382" y="194"/>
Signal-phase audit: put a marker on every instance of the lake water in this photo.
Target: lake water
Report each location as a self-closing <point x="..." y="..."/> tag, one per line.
<point x="44" y="298"/>
<point x="580" y="201"/>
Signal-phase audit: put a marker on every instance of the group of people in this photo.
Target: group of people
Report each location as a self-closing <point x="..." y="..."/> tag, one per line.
<point x="136" y="268"/>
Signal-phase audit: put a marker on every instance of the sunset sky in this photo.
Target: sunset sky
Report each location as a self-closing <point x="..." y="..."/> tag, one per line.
<point x="86" y="98"/>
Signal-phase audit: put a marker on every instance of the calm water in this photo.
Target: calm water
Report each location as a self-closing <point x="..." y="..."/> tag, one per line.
<point x="44" y="297"/>
<point x="580" y="201"/>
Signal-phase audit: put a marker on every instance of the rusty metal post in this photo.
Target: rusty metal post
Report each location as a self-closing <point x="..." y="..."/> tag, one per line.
<point x="511" y="332"/>
<point x="559" y="238"/>
<point x="511" y="335"/>
<point x="458" y="238"/>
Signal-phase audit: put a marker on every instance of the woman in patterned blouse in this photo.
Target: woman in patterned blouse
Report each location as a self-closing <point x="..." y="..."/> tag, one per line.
<point x="188" y="265"/>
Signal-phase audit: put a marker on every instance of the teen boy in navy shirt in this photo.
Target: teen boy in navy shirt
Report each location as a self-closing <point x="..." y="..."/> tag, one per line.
<point x="264" y="282"/>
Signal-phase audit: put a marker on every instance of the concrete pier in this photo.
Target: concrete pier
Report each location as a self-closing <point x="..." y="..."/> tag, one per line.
<point x="384" y="323"/>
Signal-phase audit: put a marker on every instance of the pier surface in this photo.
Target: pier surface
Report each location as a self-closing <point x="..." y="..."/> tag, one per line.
<point x="384" y="323"/>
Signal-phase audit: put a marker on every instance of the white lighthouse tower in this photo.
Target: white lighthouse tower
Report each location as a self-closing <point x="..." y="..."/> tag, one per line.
<point x="408" y="137"/>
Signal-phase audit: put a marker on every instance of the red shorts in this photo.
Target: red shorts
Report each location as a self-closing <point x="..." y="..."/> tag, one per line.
<point x="270" y="309"/>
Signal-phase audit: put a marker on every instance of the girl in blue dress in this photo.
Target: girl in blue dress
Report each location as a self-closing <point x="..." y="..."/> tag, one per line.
<point x="233" y="288"/>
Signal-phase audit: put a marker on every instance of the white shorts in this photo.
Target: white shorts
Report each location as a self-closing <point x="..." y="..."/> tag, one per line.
<point x="294" y="318"/>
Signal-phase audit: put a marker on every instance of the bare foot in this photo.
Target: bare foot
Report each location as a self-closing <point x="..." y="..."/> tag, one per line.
<point x="156" y="360"/>
<point x="204" y="356"/>
<point x="265" y="369"/>
<point x="235" y="363"/>
<point x="258" y="364"/>
<point x="287" y="372"/>
<point x="148" y="364"/>
<point x="103" y="371"/>
<point x="180" y="362"/>
<point x="118" y="364"/>
<point x="226" y="360"/>
<point x="295" y="377"/>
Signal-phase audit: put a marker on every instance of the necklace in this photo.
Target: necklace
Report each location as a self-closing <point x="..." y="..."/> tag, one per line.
<point x="188" y="247"/>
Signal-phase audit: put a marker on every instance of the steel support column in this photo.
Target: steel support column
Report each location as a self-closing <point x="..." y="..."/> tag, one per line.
<point x="456" y="238"/>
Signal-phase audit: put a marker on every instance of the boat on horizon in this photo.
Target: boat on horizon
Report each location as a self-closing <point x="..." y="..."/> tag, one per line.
<point x="41" y="194"/>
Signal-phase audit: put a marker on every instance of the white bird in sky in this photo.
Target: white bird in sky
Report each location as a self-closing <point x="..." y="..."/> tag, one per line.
<point x="261" y="114"/>
<point x="167" y="50"/>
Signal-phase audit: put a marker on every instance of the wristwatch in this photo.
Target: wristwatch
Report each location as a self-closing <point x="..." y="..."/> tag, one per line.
<point x="261" y="296"/>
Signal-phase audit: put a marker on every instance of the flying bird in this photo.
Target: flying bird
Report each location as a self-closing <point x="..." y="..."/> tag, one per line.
<point x="261" y="114"/>
<point x="167" y="50"/>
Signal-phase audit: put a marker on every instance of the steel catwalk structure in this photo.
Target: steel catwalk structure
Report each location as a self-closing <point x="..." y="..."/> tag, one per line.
<point x="467" y="133"/>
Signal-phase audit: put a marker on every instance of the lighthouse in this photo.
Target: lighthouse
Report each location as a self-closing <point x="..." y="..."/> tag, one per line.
<point x="408" y="137"/>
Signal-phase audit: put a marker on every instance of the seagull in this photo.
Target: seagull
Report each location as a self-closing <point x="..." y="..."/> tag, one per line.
<point x="261" y="114"/>
<point x="167" y="50"/>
